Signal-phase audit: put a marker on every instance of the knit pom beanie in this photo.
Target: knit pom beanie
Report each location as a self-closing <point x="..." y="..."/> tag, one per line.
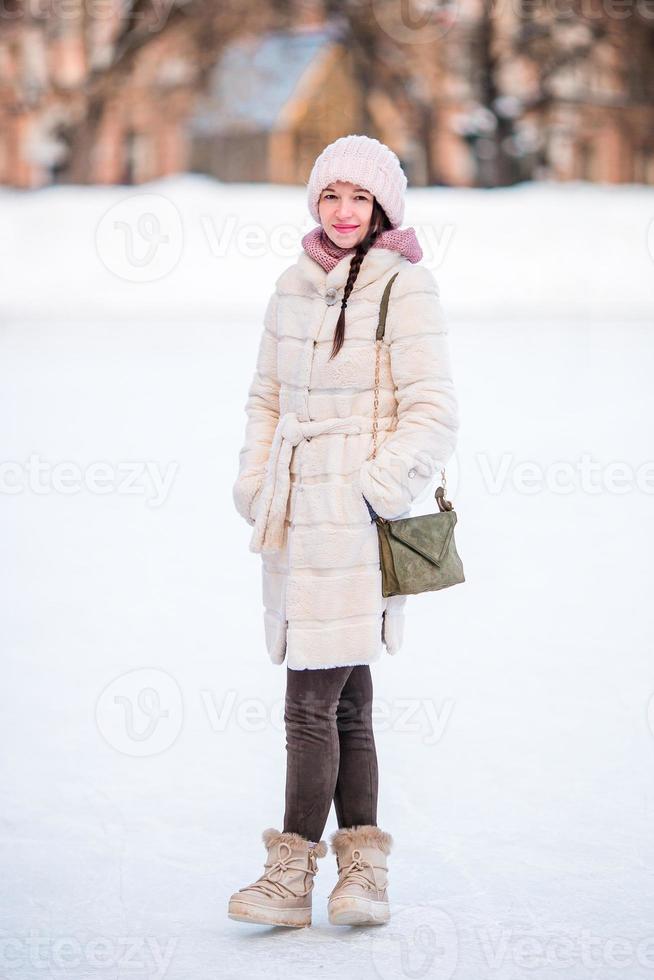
<point x="365" y="161"/>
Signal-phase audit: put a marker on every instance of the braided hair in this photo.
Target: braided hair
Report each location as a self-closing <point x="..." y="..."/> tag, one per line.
<point x="379" y="222"/>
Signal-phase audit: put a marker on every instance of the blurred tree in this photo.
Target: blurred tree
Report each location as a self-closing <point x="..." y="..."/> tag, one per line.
<point x="393" y="46"/>
<point x="593" y="57"/>
<point x="139" y="25"/>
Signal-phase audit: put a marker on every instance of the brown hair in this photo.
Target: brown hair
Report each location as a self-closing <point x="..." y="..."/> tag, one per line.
<point x="379" y="222"/>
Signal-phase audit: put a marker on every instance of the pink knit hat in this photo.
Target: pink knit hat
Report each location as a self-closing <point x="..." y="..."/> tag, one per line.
<point x="365" y="161"/>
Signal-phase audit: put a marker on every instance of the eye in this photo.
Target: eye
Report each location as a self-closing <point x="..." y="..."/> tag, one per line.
<point x="361" y="197"/>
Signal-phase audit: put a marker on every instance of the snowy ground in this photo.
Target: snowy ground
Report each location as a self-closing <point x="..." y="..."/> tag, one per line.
<point x="141" y="719"/>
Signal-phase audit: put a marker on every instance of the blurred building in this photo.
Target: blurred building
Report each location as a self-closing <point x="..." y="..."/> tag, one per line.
<point x="485" y="110"/>
<point x="274" y="101"/>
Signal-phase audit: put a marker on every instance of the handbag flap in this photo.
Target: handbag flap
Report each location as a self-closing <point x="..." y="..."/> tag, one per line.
<point x="427" y="534"/>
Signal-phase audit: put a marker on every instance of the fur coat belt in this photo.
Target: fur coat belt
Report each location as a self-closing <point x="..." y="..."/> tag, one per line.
<point x="270" y="523"/>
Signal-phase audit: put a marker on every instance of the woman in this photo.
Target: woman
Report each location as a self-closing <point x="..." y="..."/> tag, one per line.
<point x="309" y="489"/>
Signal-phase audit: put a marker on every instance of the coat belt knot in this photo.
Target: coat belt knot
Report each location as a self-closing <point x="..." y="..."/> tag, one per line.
<point x="291" y="428"/>
<point x="270" y="523"/>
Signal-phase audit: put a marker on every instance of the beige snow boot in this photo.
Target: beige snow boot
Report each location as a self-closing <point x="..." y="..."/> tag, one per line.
<point x="360" y="896"/>
<point x="281" y="896"/>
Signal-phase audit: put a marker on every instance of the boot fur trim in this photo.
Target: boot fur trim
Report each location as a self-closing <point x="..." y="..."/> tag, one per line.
<point x="361" y="835"/>
<point x="272" y="836"/>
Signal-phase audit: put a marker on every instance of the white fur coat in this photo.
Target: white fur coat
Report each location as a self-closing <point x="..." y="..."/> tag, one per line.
<point x="307" y="441"/>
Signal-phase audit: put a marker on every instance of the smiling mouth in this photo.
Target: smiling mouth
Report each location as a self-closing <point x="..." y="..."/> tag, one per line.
<point x="346" y="227"/>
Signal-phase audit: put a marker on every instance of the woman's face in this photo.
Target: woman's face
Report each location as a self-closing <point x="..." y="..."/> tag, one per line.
<point x="345" y="211"/>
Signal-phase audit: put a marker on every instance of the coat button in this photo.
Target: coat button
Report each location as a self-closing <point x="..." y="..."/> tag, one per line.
<point x="330" y="296"/>
<point x="412" y="472"/>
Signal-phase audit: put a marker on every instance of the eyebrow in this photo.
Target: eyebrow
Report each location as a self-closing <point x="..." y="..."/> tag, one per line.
<point x="329" y="187"/>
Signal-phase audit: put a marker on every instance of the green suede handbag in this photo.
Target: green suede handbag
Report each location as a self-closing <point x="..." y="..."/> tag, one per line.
<point x="416" y="554"/>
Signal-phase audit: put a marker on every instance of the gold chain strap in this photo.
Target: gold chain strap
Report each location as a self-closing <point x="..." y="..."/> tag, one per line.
<point x="375" y="415"/>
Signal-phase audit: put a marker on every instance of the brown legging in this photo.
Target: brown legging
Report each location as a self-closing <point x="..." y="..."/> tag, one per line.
<point x="330" y="749"/>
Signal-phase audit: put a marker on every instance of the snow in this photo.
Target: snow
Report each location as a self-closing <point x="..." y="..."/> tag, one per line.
<point x="140" y="716"/>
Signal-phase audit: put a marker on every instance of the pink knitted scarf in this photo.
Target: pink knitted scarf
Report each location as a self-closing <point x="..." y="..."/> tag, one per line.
<point x="321" y="248"/>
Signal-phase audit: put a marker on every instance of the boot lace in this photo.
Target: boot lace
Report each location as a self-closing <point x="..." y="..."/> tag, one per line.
<point x="356" y="872"/>
<point x="272" y="886"/>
